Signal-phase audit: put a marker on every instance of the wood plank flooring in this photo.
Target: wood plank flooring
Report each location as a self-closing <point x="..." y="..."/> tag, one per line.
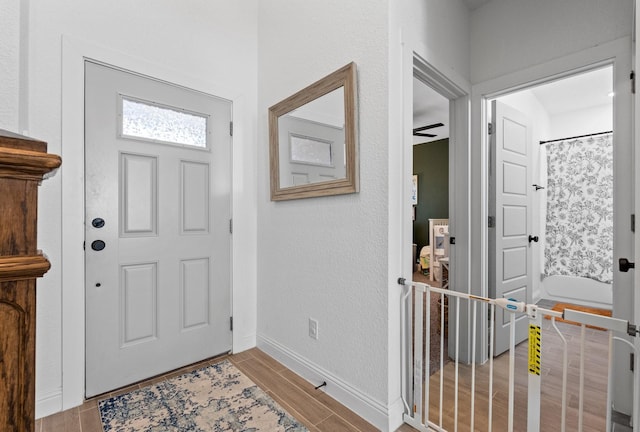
<point x="319" y="412"/>
<point x="313" y="408"/>
<point x="595" y="386"/>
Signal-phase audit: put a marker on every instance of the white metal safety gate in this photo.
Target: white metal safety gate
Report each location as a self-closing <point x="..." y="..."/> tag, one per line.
<point x="559" y="381"/>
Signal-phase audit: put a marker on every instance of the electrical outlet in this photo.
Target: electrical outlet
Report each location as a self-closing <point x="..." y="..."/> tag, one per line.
<point x="313" y="328"/>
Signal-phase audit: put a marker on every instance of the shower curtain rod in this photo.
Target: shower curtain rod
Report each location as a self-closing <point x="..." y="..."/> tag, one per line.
<point x="575" y="137"/>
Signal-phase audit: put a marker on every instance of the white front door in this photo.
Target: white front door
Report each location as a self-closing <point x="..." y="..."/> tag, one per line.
<point x="509" y="244"/>
<point x="158" y="243"/>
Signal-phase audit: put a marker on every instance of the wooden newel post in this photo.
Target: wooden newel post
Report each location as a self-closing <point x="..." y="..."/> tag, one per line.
<point x="23" y="164"/>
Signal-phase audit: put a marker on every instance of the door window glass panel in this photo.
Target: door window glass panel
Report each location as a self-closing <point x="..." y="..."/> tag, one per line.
<point x="151" y="121"/>
<point x="310" y="150"/>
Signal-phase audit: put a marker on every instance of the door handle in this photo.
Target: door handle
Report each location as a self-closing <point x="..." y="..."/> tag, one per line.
<point x="533" y="239"/>
<point x="624" y="265"/>
<point x="98" y="245"/>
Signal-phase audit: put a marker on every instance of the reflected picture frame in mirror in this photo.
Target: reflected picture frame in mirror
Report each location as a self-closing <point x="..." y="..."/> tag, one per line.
<point x="313" y="155"/>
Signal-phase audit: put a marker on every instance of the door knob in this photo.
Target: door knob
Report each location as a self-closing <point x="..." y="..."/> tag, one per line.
<point x="533" y="239"/>
<point x="625" y="265"/>
<point x="98" y="245"/>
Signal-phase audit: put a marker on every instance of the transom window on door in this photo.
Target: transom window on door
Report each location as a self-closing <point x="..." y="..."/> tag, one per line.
<point x="150" y="121"/>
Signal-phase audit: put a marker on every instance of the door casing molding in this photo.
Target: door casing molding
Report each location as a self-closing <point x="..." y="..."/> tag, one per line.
<point x="74" y="54"/>
<point x="616" y="53"/>
<point x="419" y="64"/>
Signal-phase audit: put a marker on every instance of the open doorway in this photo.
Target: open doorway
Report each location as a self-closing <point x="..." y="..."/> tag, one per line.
<point x="430" y="213"/>
<point x="551" y="196"/>
<point x="616" y="54"/>
<point x="572" y="184"/>
<point x="430" y="196"/>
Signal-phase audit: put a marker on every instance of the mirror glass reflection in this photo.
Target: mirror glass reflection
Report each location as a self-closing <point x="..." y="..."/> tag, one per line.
<point x="313" y="139"/>
<point x="313" y="148"/>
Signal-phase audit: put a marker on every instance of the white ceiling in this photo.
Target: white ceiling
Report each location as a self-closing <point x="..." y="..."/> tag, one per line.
<point x="582" y="91"/>
<point x="586" y="90"/>
<point x="429" y="107"/>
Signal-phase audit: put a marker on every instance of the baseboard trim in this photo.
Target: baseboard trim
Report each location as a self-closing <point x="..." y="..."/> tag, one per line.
<point x="365" y="406"/>
<point x="49" y="403"/>
<point x="243" y="343"/>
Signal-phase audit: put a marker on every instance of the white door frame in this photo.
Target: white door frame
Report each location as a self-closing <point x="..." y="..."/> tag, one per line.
<point x="636" y="138"/>
<point x="636" y="142"/>
<point x="74" y="53"/>
<point x="457" y="91"/>
<point x="616" y="53"/>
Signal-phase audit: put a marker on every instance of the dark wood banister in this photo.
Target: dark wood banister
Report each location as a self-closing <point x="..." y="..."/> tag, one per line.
<point x="23" y="164"/>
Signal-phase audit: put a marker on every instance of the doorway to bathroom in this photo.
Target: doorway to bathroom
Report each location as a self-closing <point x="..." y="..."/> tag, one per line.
<point x="551" y="195"/>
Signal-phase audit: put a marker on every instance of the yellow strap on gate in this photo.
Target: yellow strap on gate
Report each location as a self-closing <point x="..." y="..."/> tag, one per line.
<point x="534" y="349"/>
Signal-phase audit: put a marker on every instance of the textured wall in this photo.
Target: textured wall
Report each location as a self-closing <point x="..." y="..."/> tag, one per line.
<point x="326" y="258"/>
<point x="510" y="35"/>
<point x="9" y="64"/>
<point x="440" y="32"/>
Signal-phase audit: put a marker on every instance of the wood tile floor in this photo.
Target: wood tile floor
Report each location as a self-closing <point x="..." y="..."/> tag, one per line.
<point x="319" y="412"/>
<point x="313" y="408"/>
<point x="595" y="386"/>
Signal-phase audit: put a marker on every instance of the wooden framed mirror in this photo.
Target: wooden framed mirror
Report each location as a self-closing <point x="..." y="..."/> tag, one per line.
<point x="313" y="147"/>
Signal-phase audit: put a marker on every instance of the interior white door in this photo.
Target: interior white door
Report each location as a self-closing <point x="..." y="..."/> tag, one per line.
<point x="509" y="244"/>
<point x="157" y="255"/>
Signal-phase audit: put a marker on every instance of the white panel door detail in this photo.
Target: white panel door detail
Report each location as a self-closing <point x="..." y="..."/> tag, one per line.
<point x="318" y="156"/>
<point x="158" y="295"/>
<point x="509" y="249"/>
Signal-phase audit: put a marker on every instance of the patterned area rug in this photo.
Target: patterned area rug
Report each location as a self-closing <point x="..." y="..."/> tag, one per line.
<point x="214" y="398"/>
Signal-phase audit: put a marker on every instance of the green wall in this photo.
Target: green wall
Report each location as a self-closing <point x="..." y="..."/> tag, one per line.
<point x="431" y="165"/>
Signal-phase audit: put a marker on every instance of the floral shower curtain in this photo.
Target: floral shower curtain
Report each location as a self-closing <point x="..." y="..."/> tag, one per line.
<point x="579" y="229"/>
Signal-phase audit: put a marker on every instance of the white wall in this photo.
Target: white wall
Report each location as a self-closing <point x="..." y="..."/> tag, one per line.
<point x="440" y="32"/>
<point x="326" y="258"/>
<point x="510" y="35"/>
<point x="336" y="259"/>
<point x="10" y="64"/>
<point x="209" y="44"/>
<point x="580" y="122"/>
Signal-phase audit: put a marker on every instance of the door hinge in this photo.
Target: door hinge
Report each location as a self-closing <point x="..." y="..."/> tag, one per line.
<point x="231" y="323"/>
<point x="231" y="128"/>
<point x="230" y="226"/>
<point x="632" y="361"/>
<point x="633" y="223"/>
<point x="632" y="77"/>
<point x="452" y="240"/>
<point x="490" y="129"/>
<point x="84" y="245"/>
<point x="632" y="329"/>
<point x="492" y="221"/>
